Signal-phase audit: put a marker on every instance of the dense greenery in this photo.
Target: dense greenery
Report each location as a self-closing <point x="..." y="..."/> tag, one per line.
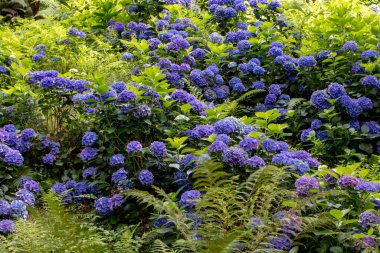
<point x="190" y="126"/>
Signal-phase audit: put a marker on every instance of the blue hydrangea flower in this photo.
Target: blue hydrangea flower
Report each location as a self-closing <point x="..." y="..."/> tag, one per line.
<point x="189" y="198"/>
<point x="158" y="149"/>
<point x="31" y="185"/>
<point x="58" y="188"/>
<point x="316" y="124"/>
<point x="269" y="145"/>
<point x="116" y="201"/>
<point x="216" y="38"/>
<point x="119" y="175"/>
<point x="5" y="208"/>
<point x="88" y="154"/>
<point x="217" y="146"/>
<point x="258" y="85"/>
<point x="13" y="158"/>
<point x="146" y="177"/>
<point x="275" y="89"/>
<point x="365" y="103"/>
<point x="127" y="56"/>
<point x="300" y="166"/>
<point x="350" y="46"/>
<point x="198" y="53"/>
<point x="18" y="209"/>
<point x="368" y="186"/>
<point x="373" y="127"/>
<point x="49" y="159"/>
<point x="134" y="147"/>
<point x="274" y="5"/>
<point x="369" y="54"/>
<point x="256" y="161"/>
<point x="89" y="172"/>
<point x="275" y="51"/>
<point x="319" y="100"/>
<point x="243" y="45"/>
<point x="371" y="81"/>
<point x="306" y="61"/>
<point x="27" y="134"/>
<point x="103" y="206"/>
<point x="116" y="159"/>
<point x="6" y="226"/>
<point x="188" y="162"/>
<point x="336" y="90"/>
<point x="249" y="144"/>
<point x="280" y="243"/>
<point x="89" y="138"/>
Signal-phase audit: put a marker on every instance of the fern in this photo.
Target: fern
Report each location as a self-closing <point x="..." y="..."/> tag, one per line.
<point x="54" y="229"/>
<point x="249" y="96"/>
<point x="294" y="102"/>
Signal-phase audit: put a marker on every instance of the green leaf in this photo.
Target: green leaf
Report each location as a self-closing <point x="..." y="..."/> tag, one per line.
<point x="339" y="214"/>
<point x="289" y="203"/>
<point x="336" y="249"/>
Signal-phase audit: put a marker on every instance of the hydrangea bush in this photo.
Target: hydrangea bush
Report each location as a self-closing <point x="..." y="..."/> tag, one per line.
<point x="241" y="122"/>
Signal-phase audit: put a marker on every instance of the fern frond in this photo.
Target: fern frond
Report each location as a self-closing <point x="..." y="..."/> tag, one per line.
<point x="294" y="102"/>
<point x="250" y="95"/>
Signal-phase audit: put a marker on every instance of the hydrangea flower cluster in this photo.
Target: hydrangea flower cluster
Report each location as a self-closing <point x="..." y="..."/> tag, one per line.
<point x="17" y="207"/>
<point x="13" y="143"/>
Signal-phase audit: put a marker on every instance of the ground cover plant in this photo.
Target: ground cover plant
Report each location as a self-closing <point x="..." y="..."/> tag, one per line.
<point x="190" y="126"/>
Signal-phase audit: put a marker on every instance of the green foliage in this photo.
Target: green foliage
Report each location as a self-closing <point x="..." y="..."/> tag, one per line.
<point x="55" y="229"/>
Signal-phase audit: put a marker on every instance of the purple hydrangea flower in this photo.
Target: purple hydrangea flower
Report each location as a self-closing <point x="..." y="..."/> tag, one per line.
<point x="127" y="56"/>
<point x="348" y="181"/>
<point x="304" y="184"/>
<point x="235" y="156"/>
<point x="365" y="103"/>
<point x="146" y="177"/>
<point x="89" y="138"/>
<point x="316" y="124"/>
<point x="255" y="221"/>
<point x="369" y="219"/>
